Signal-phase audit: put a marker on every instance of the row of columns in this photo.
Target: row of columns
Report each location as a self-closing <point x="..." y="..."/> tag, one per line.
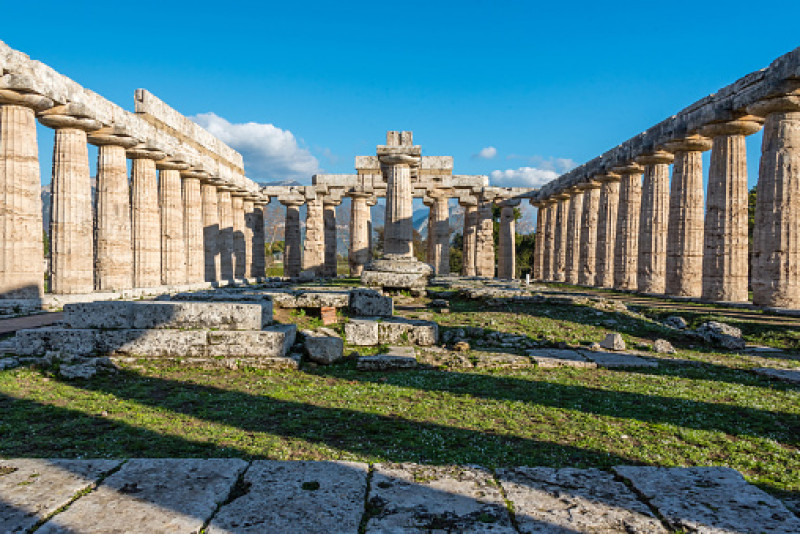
<point x="152" y="231"/>
<point x="631" y="229"/>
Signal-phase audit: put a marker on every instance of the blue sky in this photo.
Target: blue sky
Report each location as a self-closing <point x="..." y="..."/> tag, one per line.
<point x="542" y="85"/>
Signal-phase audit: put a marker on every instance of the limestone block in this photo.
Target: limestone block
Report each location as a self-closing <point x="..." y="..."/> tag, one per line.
<point x="151" y="343"/>
<point x="613" y="342"/>
<point x="275" y="341"/>
<point x="361" y="332"/>
<point x="722" y="334"/>
<point x="394" y="280"/>
<point x="155" y="495"/>
<point x="69" y="342"/>
<point x="296" y="497"/>
<point x="394" y="358"/>
<point x="368" y="302"/>
<point x="611" y="360"/>
<point x="114" y="314"/>
<point x="318" y="299"/>
<point x="322" y="348"/>
<point x="153" y="315"/>
<point x="547" y="358"/>
<point x="400" y="330"/>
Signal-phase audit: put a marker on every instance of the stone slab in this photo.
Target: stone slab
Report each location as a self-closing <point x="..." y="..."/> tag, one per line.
<point x="711" y="500"/>
<point x="394" y="358"/>
<point x="418" y="498"/>
<point x="296" y="497"/>
<point x="394" y="280"/>
<point x="786" y="375"/>
<point x="576" y="500"/>
<point x="323" y="348"/>
<point x="361" y="332"/>
<point x="33" y="489"/>
<point x="273" y="341"/>
<point x="169" y="315"/>
<point x="401" y="330"/>
<point x="500" y="359"/>
<point x="549" y="358"/>
<point x="152" y="495"/>
<point x="611" y="360"/>
<point x="368" y="302"/>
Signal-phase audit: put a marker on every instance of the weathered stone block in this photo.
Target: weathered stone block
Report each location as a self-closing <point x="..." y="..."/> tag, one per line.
<point x="114" y="314"/>
<point x="399" y="330"/>
<point x="361" y="332"/>
<point x="324" y="349"/>
<point x="394" y="358"/>
<point x="67" y="341"/>
<point x="152" y="343"/>
<point x="274" y="341"/>
<point x="370" y="303"/>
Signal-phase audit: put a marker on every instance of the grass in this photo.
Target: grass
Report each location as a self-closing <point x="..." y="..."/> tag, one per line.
<point x="714" y="413"/>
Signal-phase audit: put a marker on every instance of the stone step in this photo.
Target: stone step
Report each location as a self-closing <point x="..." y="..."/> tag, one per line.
<point x="165" y="315"/>
<point x="374" y="331"/>
<point x="273" y="341"/>
<point x="394" y="358"/>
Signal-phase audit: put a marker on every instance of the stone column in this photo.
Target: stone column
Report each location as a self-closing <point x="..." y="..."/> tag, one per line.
<point x="173" y="240"/>
<point x="358" y="255"/>
<point x="776" y="241"/>
<point x="72" y="222"/>
<point x="329" y="217"/>
<point x="626" y="249"/>
<point x="113" y="268"/>
<point x="538" y="248"/>
<point x="588" y="240"/>
<point x="439" y="231"/>
<point x="225" y="233"/>
<point x="145" y="216"/>
<point x="21" y="229"/>
<point x="247" y="236"/>
<point x="573" y="236"/>
<point x="239" y="248"/>
<point x="470" y="206"/>
<point x="193" y="226"/>
<point x="314" y="246"/>
<point x="653" y="219"/>
<point x="259" y="240"/>
<point x="291" y="252"/>
<point x="507" y="255"/>
<point x="685" y="231"/>
<point x="549" y="255"/>
<point x="607" y="229"/>
<point x="484" y="240"/>
<point x="398" y="231"/>
<point x="561" y="233"/>
<point x="210" y="211"/>
<point x="725" y="259"/>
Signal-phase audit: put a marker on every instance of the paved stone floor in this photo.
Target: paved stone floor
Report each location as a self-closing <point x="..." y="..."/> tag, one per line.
<point x="8" y="326"/>
<point x="232" y="495"/>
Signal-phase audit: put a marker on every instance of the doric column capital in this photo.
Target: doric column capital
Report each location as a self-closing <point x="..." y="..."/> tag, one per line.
<point x="112" y="135"/>
<point x="608" y="177"/>
<point x="747" y="125"/>
<point x="591" y="184"/>
<point x="561" y="196"/>
<point x="510" y="202"/>
<point x="659" y="157"/>
<point x="71" y="115"/>
<point x="628" y="168"/>
<point x="176" y="162"/>
<point x="692" y="143"/>
<point x="194" y="172"/>
<point x="400" y="159"/>
<point x="467" y="201"/>
<point x="145" y="151"/>
<point x="18" y="90"/>
<point x="789" y="101"/>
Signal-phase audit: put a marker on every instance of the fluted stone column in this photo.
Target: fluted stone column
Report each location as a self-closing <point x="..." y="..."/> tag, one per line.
<point x="314" y="246"/>
<point x="776" y="242"/>
<point x="329" y="218"/>
<point x="210" y="211"/>
<point x="247" y="236"/>
<point x="573" y="237"/>
<point x="398" y="227"/>
<point x="685" y="230"/>
<point x="173" y="241"/>
<point x="588" y="240"/>
<point x="72" y="222"/>
<point x="538" y="249"/>
<point x="626" y="250"/>
<point x="113" y="247"/>
<point x="225" y="233"/>
<point x="358" y="255"/>
<point x="193" y="226"/>
<point x="239" y="248"/>
<point x="725" y="258"/>
<point x="507" y="257"/>
<point x="549" y="256"/>
<point x="653" y="220"/>
<point x="291" y="253"/>
<point x="561" y="233"/>
<point x="145" y="216"/>
<point x="439" y="232"/>
<point x="484" y="240"/>
<point x="607" y="229"/>
<point x="259" y="240"/>
<point x="469" y="236"/>
<point x="21" y="229"/>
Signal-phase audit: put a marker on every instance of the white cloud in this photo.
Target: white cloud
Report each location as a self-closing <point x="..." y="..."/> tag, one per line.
<point x="486" y="153"/>
<point x="522" y="177"/>
<point x="269" y="152"/>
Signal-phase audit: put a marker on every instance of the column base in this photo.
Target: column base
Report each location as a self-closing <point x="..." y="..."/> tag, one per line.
<point x="397" y="273"/>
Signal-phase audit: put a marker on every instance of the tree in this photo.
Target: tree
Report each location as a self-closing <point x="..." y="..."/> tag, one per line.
<point x="420" y="250"/>
<point x="457" y="253"/>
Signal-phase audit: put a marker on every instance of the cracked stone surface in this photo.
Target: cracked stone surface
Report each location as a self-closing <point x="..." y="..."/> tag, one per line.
<point x="296" y="497"/>
<point x="577" y="500"/>
<point x="394" y="358"/>
<point x="32" y="489"/>
<point x="156" y="495"/>
<point x="419" y="498"/>
<point x="711" y="500"/>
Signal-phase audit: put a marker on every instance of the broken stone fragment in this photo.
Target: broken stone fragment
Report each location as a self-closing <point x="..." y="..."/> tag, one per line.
<point x="613" y="342"/>
<point x="322" y="347"/>
<point x="662" y="346"/>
